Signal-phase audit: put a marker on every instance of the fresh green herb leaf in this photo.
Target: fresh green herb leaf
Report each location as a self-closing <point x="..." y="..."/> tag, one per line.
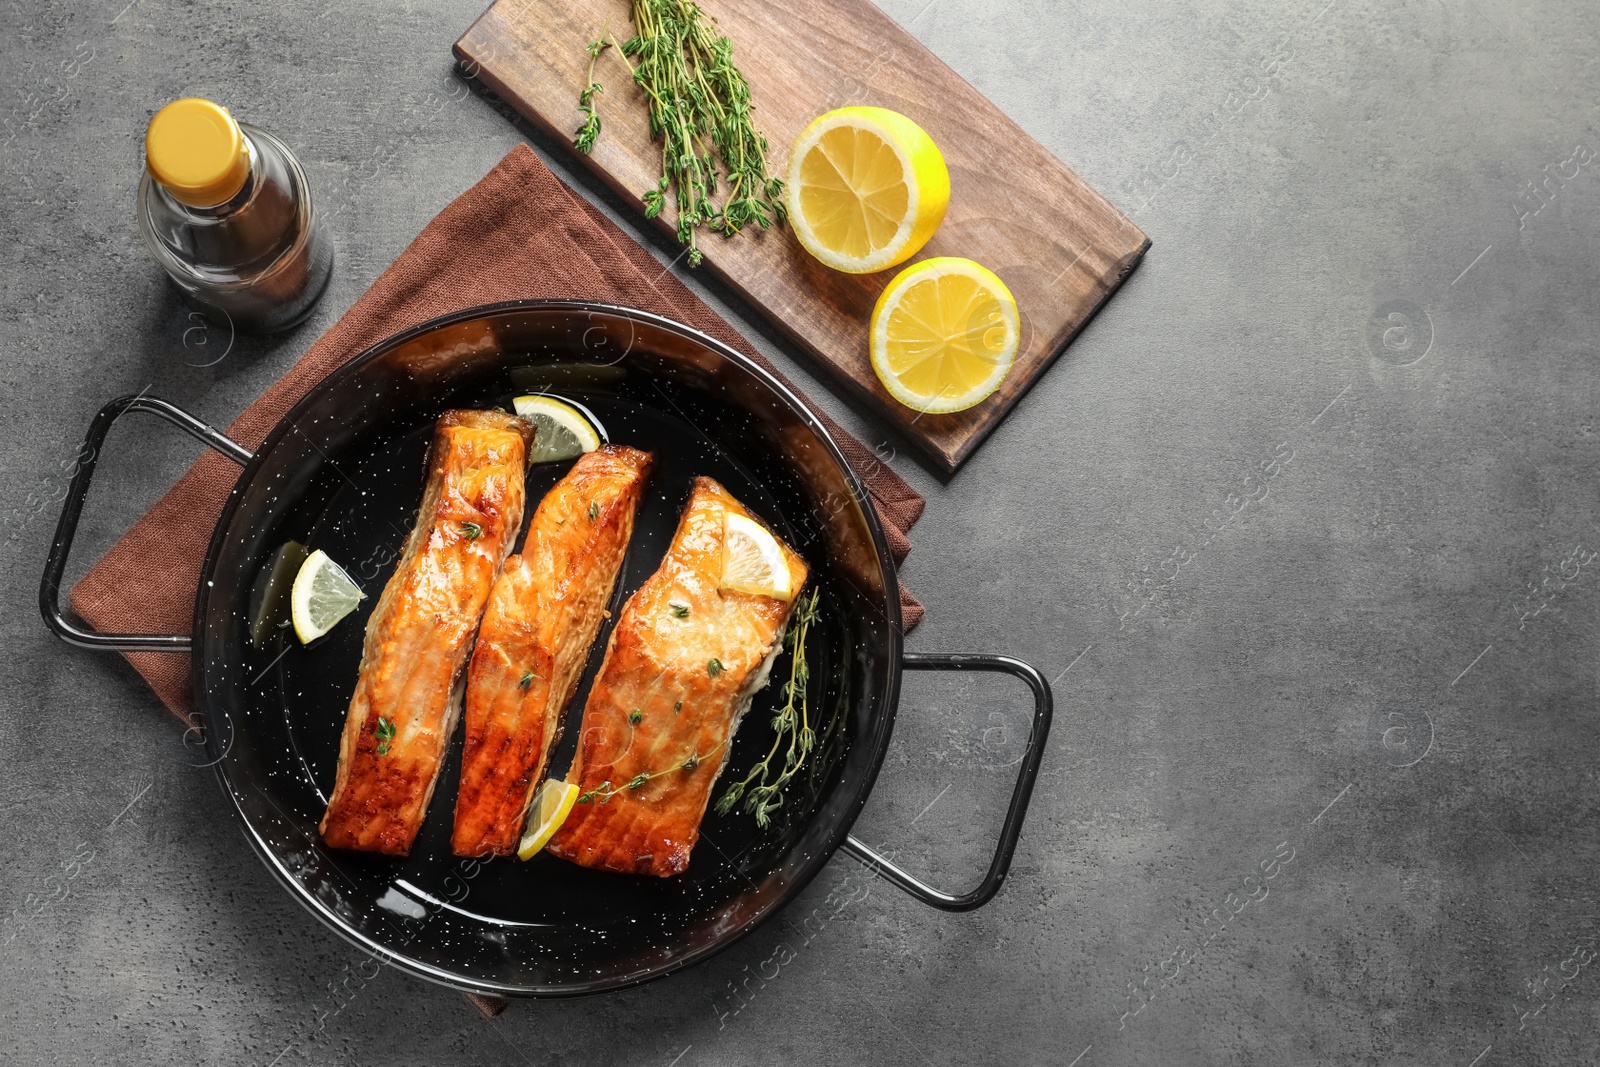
<point x="679" y="611"/>
<point x="384" y="734"/>
<point x="603" y="791"/>
<point x="471" y="531"/>
<point x="525" y="681"/>
<point x="714" y="667"/>
<point x="636" y="716"/>
<point x="654" y="201"/>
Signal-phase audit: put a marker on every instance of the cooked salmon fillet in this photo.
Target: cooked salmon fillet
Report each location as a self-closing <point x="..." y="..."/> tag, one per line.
<point x="541" y="622"/>
<point x="408" y="691"/>
<point x="680" y="670"/>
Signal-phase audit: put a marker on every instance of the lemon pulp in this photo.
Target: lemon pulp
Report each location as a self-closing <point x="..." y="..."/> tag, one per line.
<point x="853" y="191"/>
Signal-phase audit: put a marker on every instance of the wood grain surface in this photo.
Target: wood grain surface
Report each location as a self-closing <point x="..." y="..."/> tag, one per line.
<point x="1060" y="246"/>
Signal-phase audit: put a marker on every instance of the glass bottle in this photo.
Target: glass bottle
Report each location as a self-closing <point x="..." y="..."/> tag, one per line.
<point x="226" y="210"/>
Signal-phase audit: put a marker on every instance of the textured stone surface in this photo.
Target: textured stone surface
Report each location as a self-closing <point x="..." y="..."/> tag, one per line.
<point x="1346" y="666"/>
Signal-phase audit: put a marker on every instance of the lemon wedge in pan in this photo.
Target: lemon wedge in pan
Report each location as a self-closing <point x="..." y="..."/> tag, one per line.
<point x="562" y="430"/>
<point x="752" y="560"/>
<point x="322" y="595"/>
<point x="551" y="806"/>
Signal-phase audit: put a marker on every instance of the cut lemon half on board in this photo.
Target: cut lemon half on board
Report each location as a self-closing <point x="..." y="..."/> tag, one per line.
<point x="944" y="335"/>
<point x="322" y="595"/>
<point x="867" y="188"/>
<point x="562" y="431"/>
<point x="752" y="560"/>
<point x="550" y="808"/>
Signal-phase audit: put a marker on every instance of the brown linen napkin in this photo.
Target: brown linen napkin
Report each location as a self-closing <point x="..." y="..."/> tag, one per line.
<point x="517" y="234"/>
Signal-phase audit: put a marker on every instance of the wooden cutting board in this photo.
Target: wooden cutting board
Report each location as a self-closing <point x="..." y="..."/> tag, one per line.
<point x="1059" y="246"/>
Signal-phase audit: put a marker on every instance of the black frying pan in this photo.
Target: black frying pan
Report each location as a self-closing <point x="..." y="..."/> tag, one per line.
<point x="343" y="472"/>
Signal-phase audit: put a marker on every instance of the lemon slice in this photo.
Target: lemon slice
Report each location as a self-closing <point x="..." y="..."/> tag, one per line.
<point x="944" y="335"/>
<point x="563" y="432"/>
<point x="322" y="595"/>
<point x="752" y="559"/>
<point x="550" y="808"/>
<point x="867" y="188"/>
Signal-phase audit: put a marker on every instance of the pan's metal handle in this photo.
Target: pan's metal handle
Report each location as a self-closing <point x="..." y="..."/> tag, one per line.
<point x="55" y="564"/>
<point x="1011" y="829"/>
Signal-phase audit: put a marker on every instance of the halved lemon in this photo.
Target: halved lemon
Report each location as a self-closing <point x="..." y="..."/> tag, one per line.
<point x="944" y="334"/>
<point x="322" y="595"/>
<point x="867" y="188"/>
<point x="563" y="432"/>
<point x="752" y="560"/>
<point x="550" y="808"/>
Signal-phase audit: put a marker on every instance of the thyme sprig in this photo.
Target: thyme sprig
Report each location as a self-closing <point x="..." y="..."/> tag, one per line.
<point x="762" y="789"/>
<point x="605" y="790"/>
<point x="591" y="111"/>
<point x="701" y="111"/>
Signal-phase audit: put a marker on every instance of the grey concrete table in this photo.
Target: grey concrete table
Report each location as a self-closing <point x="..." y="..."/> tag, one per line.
<point x="1301" y="528"/>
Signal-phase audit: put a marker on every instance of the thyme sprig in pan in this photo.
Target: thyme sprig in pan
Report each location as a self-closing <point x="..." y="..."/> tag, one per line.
<point x="762" y="789"/>
<point x="605" y="790"/>
<point x="700" y="109"/>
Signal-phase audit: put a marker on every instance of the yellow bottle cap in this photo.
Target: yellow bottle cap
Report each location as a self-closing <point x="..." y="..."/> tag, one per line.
<point x="197" y="152"/>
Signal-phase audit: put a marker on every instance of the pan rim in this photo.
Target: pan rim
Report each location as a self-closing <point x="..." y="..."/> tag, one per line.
<point x="809" y="867"/>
